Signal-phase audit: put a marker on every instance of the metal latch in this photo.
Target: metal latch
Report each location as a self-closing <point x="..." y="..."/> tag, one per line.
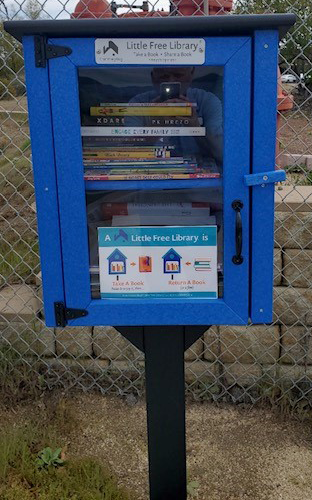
<point x="63" y="313"/>
<point x="44" y="51"/>
<point x="263" y="178"/>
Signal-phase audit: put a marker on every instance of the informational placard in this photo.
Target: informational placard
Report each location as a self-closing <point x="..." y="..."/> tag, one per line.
<point x="150" y="51"/>
<point x="158" y="262"/>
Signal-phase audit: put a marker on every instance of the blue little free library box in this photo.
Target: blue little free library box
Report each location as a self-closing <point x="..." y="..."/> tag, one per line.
<point x="153" y="147"/>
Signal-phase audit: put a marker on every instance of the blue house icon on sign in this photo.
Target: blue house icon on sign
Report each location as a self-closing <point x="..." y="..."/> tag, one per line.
<point x="116" y="262"/>
<point x="172" y="264"/>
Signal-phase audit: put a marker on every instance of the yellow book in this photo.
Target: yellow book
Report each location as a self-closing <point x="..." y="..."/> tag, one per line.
<point x="141" y="111"/>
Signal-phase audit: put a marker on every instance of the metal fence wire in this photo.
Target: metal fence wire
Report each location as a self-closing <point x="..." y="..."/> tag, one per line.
<point x="238" y="364"/>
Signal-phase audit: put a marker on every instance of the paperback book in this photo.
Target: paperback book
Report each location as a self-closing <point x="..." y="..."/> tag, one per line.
<point x="143" y="109"/>
<point x="113" y="174"/>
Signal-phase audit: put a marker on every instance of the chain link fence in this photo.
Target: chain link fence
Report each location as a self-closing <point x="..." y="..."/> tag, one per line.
<point x="237" y="364"/>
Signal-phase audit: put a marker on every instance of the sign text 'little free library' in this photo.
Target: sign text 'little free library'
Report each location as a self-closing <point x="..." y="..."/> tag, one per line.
<point x="158" y="262"/>
<point x="150" y="51"/>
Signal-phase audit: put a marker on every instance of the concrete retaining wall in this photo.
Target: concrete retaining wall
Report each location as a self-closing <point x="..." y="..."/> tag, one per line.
<point x="230" y="356"/>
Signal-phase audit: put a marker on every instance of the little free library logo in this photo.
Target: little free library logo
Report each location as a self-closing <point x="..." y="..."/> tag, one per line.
<point x="110" y="46"/>
<point x="154" y="238"/>
<point x="145" y="50"/>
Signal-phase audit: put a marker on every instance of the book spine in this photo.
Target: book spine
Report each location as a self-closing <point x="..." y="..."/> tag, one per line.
<point x="162" y="121"/>
<point x="135" y="155"/>
<point x="116" y="148"/>
<point x="101" y="141"/>
<point x="149" y="177"/>
<point x="145" y="104"/>
<point x="137" y="163"/>
<point x="144" y="131"/>
<point x="110" y="209"/>
<point x="132" y="161"/>
<point x="141" y="111"/>
<point x="115" y="206"/>
<point x="126" y="141"/>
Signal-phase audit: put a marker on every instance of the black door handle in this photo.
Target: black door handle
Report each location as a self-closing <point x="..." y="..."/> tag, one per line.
<point x="237" y="259"/>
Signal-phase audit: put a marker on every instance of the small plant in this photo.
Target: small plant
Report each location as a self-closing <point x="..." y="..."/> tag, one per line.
<point x="25" y="475"/>
<point x="49" y="458"/>
<point x="192" y="486"/>
<point x="25" y="145"/>
<point x="299" y="175"/>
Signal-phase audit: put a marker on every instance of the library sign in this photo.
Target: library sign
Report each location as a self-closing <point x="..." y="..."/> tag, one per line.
<point x="163" y="262"/>
<point x="150" y="51"/>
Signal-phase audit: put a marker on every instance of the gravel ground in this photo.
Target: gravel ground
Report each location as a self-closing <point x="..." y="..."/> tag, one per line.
<point x="296" y="132"/>
<point x="19" y="104"/>
<point x="233" y="453"/>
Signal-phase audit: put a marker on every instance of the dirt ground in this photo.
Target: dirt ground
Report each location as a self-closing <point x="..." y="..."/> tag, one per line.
<point x="233" y="453"/>
<point x="19" y="104"/>
<point x="295" y="133"/>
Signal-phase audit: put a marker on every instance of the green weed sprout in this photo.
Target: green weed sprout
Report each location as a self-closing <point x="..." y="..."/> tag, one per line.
<point x="49" y="458"/>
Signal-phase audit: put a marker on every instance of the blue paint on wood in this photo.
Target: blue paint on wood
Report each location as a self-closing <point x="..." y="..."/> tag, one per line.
<point x="237" y="103"/>
<point x="264" y="178"/>
<point x="263" y="159"/>
<point x="71" y="188"/>
<point x="124" y="312"/>
<point x="40" y="124"/>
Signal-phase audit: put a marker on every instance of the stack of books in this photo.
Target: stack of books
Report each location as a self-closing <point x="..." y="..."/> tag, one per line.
<point x="133" y="141"/>
<point x="158" y="214"/>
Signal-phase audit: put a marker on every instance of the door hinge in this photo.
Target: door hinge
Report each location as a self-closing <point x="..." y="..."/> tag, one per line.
<point x="263" y="178"/>
<point x="43" y="51"/>
<point x="63" y="314"/>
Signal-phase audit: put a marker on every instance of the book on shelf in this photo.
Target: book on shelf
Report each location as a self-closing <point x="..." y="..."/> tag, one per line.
<point x="127" y="150"/>
<point x="136" y="163"/>
<point x="143" y="104"/>
<point x="109" y="209"/>
<point x="163" y="121"/>
<point x="102" y="141"/>
<point x="136" y="167"/>
<point x="143" y="131"/>
<point x="159" y="160"/>
<point x="143" y="109"/>
<point x="116" y="154"/>
<point x="156" y="220"/>
<point x="111" y="175"/>
<point x="119" y="146"/>
<point x="122" y="148"/>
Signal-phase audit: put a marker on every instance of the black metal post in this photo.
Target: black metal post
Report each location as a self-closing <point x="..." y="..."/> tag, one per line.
<point x="165" y="399"/>
<point x="164" y="348"/>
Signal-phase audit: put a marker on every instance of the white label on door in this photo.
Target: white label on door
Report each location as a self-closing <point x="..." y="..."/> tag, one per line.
<point x="160" y="51"/>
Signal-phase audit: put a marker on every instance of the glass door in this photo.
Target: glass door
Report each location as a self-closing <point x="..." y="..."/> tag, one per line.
<point x="159" y="124"/>
<point x="149" y="162"/>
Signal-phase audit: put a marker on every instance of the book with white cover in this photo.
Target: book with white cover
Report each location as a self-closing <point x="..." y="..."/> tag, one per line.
<point x="162" y="220"/>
